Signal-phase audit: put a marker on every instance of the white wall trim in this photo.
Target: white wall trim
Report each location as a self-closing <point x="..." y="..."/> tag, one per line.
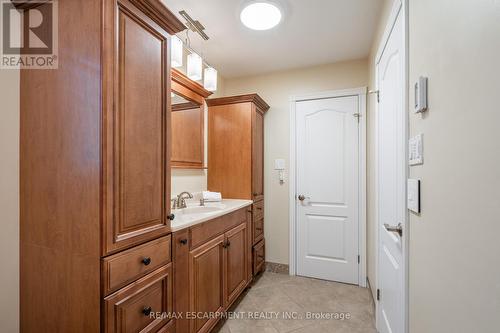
<point x="398" y="6"/>
<point x="361" y="93"/>
<point x="391" y="20"/>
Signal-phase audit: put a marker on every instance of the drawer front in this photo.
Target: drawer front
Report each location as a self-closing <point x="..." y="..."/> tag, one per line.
<point x="124" y="267"/>
<point x="128" y="309"/>
<point x="208" y="230"/>
<point x="258" y="230"/>
<point x="258" y="210"/>
<point x="259" y="257"/>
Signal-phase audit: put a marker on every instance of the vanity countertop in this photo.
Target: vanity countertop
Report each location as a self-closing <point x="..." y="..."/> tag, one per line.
<point x="195" y="214"/>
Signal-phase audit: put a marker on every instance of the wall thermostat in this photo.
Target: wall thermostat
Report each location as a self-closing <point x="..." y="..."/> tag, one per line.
<point x="421" y="95"/>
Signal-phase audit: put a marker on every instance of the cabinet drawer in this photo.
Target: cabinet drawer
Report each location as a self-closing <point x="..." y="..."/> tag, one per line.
<point x="259" y="257"/>
<point x="128" y="309"/>
<point x="127" y="266"/>
<point x="208" y="230"/>
<point x="258" y="210"/>
<point x="258" y="230"/>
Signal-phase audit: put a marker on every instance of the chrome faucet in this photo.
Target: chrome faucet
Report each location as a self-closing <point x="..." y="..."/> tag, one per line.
<point x="180" y="201"/>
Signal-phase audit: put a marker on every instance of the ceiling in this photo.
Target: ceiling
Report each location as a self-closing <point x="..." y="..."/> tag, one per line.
<point x="312" y="32"/>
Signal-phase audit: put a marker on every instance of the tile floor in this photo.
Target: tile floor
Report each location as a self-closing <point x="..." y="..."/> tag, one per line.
<point x="284" y="294"/>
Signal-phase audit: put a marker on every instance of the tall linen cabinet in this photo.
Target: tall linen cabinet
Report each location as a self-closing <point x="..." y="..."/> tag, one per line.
<point x="236" y="158"/>
<point x="95" y="173"/>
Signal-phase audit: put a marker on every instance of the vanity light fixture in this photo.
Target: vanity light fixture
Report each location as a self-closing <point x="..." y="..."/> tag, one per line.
<point x="261" y="15"/>
<point x="177" y="52"/>
<point x="210" y="79"/>
<point x="194" y="67"/>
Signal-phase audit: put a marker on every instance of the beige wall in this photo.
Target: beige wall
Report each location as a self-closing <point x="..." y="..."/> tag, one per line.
<point x="371" y="228"/>
<point x="9" y="200"/>
<point x="276" y="89"/>
<point x="454" y="243"/>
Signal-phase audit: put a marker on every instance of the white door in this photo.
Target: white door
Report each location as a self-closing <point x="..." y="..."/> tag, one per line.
<point x="327" y="188"/>
<point x="391" y="170"/>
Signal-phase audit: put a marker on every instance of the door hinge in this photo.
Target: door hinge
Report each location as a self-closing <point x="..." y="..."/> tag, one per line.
<point x="375" y="92"/>
<point x="378" y="294"/>
<point x="357" y="116"/>
<point x="359" y="259"/>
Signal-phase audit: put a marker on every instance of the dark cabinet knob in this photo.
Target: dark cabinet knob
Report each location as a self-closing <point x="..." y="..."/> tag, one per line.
<point x="228" y="243"/>
<point x="146" y="261"/>
<point x="171" y="217"/>
<point x="183" y="241"/>
<point x="147" y="310"/>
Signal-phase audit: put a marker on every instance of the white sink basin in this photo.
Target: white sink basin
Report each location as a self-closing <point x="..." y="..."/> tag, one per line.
<point x="195" y="213"/>
<point x="200" y="209"/>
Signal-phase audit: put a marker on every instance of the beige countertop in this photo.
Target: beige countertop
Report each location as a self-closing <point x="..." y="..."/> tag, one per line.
<point x="195" y="214"/>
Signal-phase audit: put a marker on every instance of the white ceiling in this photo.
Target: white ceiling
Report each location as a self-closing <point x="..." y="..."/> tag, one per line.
<point x="312" y="32"/>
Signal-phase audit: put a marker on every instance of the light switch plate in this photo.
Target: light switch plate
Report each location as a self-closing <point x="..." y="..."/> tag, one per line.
<point x="414" y="195"/>
<point x="416" y="150"/>
<point x="279" y="164"/>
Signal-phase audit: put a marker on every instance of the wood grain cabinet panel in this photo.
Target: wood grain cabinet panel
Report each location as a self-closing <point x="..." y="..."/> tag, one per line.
<point x="130" y="308"/>
<point x="187" y="136"/>
<point x="235" y="264"/>
<point x="188" y="123"/>
<point x="126" y="266"/>
<point x="206" y="279"/>
<point x="137" y="123"/>
<point x="259" y="257"/>
<point x="257" y="154"/>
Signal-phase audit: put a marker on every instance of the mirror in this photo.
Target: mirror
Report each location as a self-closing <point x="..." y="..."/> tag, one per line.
<point x="188" y="109"/>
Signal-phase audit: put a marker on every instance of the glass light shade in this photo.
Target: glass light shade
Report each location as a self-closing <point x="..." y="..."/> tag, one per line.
<point x="194" y="67"/>
<point x="176" y="52"/>
<point x="210" y="79"/>
<point x="260" y="16"/>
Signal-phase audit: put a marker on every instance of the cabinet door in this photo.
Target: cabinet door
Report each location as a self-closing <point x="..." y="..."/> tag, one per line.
<point x="136" y="119"/>
<point x="187" y="136"/>
<point x="206" y="283"/>
<point x="236" y="263"/>
<point x="257" y="155"/>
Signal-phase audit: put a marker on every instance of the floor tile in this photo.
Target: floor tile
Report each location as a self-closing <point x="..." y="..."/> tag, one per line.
<point x="279" y="303"/>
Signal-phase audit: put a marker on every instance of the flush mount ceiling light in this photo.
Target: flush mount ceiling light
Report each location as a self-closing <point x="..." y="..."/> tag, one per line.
<point x="260" y="15"/>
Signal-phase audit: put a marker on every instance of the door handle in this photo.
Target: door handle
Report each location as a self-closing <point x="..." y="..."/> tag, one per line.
<point x="302" y="197"/>
<point x="396" y="229"/>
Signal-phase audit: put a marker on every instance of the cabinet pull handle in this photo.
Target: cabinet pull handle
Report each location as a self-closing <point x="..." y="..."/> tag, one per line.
<point x="184" y="241"/>
<point x="146" y="261"/>
<point x="259" y="208"/>
<point x="171" y="217"/>
<point x="258" y="229"/>
<point x="261" y="257"/>
<point x="147" y="310"/>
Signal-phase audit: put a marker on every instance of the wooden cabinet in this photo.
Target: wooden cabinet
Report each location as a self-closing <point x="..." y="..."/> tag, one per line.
<point x="235" y="263"/>
<point x="136" y="162"/>
<point x="188" y="123"/>
<point x="206" y="282"/>
<point x="211" y="267"/>
<point x="94" y="170"/>
<point x="235" y="146"/>
<point x="236" y="153"/>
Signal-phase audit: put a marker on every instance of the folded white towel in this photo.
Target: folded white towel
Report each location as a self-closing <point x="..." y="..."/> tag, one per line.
<point x="212" y="196"/>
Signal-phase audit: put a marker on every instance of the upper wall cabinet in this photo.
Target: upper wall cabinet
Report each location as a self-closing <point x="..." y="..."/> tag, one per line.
<point x="188" y="122"/>
<point x="137" y="121"/>
<point x="236" y="146"/>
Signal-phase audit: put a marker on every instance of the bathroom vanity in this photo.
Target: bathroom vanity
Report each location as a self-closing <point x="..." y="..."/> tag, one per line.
<point x="212" y="249"/>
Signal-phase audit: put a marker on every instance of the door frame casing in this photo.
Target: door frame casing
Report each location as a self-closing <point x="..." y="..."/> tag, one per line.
<point x="399" y="7"/>
<point x="361" y="94"/>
